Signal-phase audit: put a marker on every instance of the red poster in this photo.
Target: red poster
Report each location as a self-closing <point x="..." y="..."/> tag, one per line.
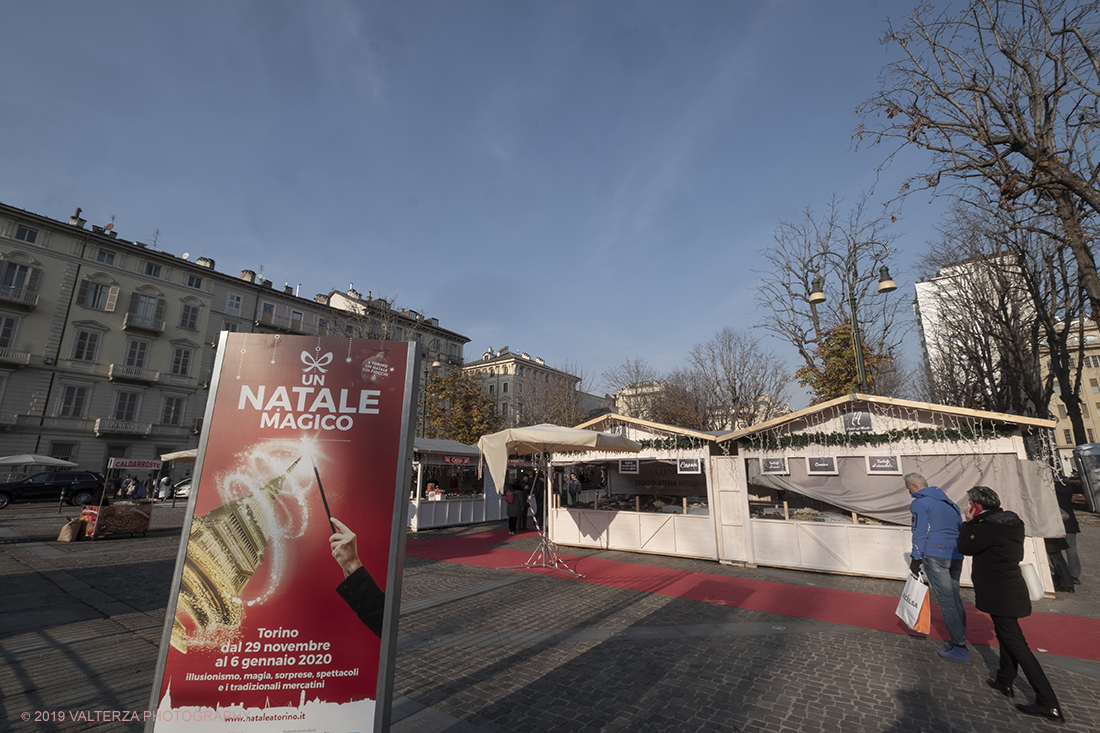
<point x="275" y="625"/>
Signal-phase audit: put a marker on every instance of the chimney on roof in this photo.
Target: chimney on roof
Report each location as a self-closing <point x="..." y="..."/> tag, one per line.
<point x="205" y="262"/>
<point x="320" y="298"/>
<point x="248" y="276"/>
<point x="75" y="219"/>
<point x="354" y="294"/>
<point x="288" y="289"/>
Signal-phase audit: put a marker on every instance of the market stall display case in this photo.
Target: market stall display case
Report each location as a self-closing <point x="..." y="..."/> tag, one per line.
<point x="121" y="517"/>
<point x="656" y="501"/>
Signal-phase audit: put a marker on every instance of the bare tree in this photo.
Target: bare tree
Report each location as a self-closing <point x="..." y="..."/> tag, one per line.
<point x="1003" y="94"/>
<point x="847" y="250"/>
<point x="737" y="383"/>
<point x="1006" y="298"/>
<point x="558" y="401"/>
<point x="636" y="385"/>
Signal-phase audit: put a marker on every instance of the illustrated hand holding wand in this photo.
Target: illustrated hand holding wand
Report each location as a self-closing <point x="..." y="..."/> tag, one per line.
<point x="343" y="547"/>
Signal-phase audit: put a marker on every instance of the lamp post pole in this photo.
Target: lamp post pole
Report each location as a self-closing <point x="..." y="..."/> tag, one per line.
<point x="885" y="285"/>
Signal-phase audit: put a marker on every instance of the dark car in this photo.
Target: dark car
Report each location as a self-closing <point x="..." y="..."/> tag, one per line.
<point x="77" y="488"/>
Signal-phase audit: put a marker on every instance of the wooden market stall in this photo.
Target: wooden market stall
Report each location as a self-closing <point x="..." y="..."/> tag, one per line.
<point x="821" y="489"/>
<point x="447" y="490"/>
<point x="658" y="500"/>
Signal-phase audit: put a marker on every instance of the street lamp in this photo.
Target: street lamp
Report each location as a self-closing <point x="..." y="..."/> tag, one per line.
<point x="424" y="398"/>
<point x="886" y="284"/>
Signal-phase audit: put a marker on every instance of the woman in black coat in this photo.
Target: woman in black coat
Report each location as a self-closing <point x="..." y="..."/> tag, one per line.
<point x="995" y="539"/>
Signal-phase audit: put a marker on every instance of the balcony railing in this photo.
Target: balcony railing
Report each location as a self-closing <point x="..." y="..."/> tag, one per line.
<point x="142" y="323"/>
<point x="14" y="356"/>
<point x="121" y="372"/>
<point x="24" y="297"/>
<point x="107" y="426"/>
<point x="282" y="323"/>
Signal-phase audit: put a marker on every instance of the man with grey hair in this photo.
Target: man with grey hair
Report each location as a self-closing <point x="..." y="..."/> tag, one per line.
<point x="936" y="522"/>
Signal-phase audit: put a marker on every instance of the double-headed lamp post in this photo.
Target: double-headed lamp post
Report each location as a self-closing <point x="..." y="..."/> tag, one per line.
<point x="817" y="295"/>
<point x="424" y="398"/>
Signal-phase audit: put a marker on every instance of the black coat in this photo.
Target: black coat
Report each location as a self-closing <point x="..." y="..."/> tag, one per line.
<point x="1065" y="503"/>
<point x="995" y="539"/>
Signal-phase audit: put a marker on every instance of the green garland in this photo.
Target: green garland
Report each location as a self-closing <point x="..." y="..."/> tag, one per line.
<point x="681" y="442"/>
<point x="772" y="442"/>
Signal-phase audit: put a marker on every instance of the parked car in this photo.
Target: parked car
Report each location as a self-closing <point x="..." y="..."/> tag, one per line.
<point x="182" y="489"/>
<point x="76" y="487"/>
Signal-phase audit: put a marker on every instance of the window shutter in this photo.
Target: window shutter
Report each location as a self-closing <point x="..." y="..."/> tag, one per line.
<point x="133" y="303"/>
<point x="160" y="309"/>
<point x="112" y="298"/>
<point x="35" y="280"/>
<point x="82" y="294"/>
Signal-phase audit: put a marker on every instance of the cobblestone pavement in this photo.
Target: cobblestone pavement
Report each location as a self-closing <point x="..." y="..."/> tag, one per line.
<point x="484" y="649"/>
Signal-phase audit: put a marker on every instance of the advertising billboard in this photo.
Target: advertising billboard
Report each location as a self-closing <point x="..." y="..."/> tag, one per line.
<point x="283" y="612"/>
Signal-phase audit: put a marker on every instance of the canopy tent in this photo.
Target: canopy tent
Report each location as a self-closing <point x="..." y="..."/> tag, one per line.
<point x="182" y="456"/>
<point x="29" y="459"/>
<point x="545" y="438"/>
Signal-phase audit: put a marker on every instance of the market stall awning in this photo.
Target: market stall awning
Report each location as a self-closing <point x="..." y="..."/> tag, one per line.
<point x="182" y="456"/>
<point x="496" y="448"/>
<point x="30" y="459"/>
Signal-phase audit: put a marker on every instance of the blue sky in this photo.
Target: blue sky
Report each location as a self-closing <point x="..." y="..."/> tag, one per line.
<point x="585" y="181"/>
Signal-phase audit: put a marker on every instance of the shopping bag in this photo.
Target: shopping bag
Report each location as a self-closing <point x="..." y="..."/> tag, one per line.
<point x="1034" y="586"/>
<point x="913" y="607"/>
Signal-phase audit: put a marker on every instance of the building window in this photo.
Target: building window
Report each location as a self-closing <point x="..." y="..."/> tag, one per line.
<point x="1085" y="410"/>
<point x="231" y="327"/>
<point x="504" y="410"/>
<point x="137" y="353"/>
<point x="398" y="333"/>
<point x="85" y="346"/>
<point x="504" y="388"/>
<point x="15" y="276"/>
<point x="1061" y="408"/>
<point x="173" y="411"/>
<point x="189" y="317"/>
<point x="296" y="320"/>
<point x="1094" y="385"/>
<point x="322" y="326"/>
<point x="1068" y="436"/>
<point x="181" y="361"/>
<point x="1091" y="439"/>
<point x="233" y="304"/>
<point x="63" y="451"/>
<point x="26" y="234"/>
<point x="194" y="281"/>
<point x="454" y="349"/>
<point x="126" y="406"/>
<point x="105" y="256"/>
<point x="8" y="329"/>
<point x="98" y="295"/>
<point x="73" y="400"/>
<point x="152" y="269"/>
<point x="491" y="389"/>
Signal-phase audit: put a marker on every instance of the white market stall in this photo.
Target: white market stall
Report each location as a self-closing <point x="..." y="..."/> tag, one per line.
<point x="821" y="489"/>
<point x="446" y="489"/>
<point x="657" y="500"/>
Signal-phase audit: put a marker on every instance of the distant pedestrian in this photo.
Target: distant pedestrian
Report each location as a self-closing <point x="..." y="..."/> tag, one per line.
<point x="512" y="509"/>
<point x="1065" y="492"/>
<point x="164" y="488"/>
<point x="936" y="521"/>
<point x="574" y="488"/>
<point x="995" y="539"/>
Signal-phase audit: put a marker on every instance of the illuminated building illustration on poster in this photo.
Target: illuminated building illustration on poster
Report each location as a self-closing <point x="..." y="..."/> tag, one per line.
<point x="281" y="616"/>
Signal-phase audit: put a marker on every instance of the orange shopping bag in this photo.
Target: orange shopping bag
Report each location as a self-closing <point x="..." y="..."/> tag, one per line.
<point x="913" y="606"/>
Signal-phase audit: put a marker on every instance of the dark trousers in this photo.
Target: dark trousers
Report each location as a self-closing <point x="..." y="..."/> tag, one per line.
<point x="523" y="519"/>
<point x="1015" y="654"/>
<point x="512" y="522"/>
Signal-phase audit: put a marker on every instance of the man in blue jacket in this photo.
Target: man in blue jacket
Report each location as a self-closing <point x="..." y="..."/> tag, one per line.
<point x="936" y="522"/>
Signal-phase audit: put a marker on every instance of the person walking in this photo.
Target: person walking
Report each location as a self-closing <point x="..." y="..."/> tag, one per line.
<point x="1065" y="491"/>
<point x="995" y="539"/>
<point x="936" y="521"/>
<point x="512" y="508"/>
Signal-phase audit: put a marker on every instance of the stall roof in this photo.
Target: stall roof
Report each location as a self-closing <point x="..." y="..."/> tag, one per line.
<point x="441" y="445"/>
<point x="802" y="415"/>
<point x="647" y="424"/>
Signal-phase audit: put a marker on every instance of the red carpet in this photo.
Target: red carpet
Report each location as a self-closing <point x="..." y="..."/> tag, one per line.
<point x="1070" y="636"/>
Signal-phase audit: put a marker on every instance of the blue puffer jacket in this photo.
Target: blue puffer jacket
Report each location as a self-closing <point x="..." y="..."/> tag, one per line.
<point x="936" y="522"/>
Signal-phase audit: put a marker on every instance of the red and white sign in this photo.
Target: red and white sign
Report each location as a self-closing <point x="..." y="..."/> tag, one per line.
<point x="258" y="638"/>
<point x="130" y="464"/>
<point x="456" y="460"/>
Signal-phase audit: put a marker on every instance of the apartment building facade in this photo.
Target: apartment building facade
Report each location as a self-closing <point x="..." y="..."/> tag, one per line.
<point x="107" y="346"/>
